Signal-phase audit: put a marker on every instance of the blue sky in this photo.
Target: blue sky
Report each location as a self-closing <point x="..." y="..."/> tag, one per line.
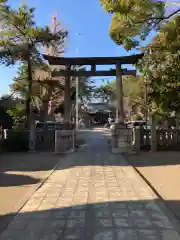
<point x="85" y="17"/>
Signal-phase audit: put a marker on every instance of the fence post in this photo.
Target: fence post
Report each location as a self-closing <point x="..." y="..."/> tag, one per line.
<point x="153" y="135"/>
<point x="177" y="130"/>
<point x="136" y="140"/>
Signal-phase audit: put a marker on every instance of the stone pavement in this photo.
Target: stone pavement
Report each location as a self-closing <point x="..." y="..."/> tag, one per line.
<point x="92" y="195"/>
<point x="20" y="177"/>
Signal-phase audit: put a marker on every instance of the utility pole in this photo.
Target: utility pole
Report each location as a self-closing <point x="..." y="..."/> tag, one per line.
<point x="146" y="107"/>
<point x="67" y="101"/>
<point x="49" y="49"/>
<point x="54" y="24"/>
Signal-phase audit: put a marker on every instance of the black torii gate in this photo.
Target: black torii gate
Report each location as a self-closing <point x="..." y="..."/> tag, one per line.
<point x="93" y="62"/>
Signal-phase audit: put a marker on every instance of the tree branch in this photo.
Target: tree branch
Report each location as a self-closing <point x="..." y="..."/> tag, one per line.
<point x="167" y="17"/>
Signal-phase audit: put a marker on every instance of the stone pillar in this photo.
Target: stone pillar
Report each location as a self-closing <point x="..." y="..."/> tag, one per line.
<point x="121" y="135"/>
<point x="153" y="135"/>
<point x="136" y="140"/>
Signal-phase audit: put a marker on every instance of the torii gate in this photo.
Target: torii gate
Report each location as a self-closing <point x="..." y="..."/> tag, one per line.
<point x="93" y="62"/>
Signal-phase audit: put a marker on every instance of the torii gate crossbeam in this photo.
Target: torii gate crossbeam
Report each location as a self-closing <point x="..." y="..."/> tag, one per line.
<point x="93" y="62"/>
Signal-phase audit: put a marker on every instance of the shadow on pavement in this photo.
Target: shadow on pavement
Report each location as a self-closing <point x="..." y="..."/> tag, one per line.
<point x="107" y="220"/>
<point x="28" y="161"/>
<point x="7" y="180"/>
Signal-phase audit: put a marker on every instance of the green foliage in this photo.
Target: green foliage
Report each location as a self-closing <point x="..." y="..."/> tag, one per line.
<point x="132" y="20"/>
<point x="20" y="38"/>
<point x="18" y="112"/>
<point x="21" y="41"/>
<point x="162" y="56"/>
<point x="107" y="92"/>
<point x="42" y="89"/>
<point x="45" y="90"/>
<point x="136" y="117"/>
<point x="86" y="84"/>
<point x="85" y="88"/>
<point x="6" y="120"/>
<point x="133" y="90"/>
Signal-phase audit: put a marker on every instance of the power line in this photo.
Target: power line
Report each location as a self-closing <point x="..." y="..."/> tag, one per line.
<point x="167" y="17"/>
<point x="163" y="18"/>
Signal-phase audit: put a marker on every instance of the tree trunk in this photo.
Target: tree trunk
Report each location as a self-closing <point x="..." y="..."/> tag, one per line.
<point x="28" y="102"/>
<point x="30" y="117"/>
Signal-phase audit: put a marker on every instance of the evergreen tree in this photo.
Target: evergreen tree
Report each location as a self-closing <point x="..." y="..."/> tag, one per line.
<point x="21" y="41"/>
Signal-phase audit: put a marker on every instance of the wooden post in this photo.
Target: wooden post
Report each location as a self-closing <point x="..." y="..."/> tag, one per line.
<point x="67" y="97"/>
<point x="119" y="95"/>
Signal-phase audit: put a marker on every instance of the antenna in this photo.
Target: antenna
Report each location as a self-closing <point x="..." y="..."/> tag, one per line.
<point x="54" y="23"/>
<point x="53" y="27"/>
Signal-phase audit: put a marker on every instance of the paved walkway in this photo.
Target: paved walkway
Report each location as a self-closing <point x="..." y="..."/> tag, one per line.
<point x="20" y="176"/>
<point x="92" y="195"/>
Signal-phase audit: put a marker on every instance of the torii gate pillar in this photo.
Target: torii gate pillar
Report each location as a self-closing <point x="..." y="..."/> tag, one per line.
<point x="119" y="95"/>
<point x="121" y="135"/>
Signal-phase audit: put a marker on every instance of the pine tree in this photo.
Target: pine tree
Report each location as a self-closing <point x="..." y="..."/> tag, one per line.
<point x="21" y="41"/>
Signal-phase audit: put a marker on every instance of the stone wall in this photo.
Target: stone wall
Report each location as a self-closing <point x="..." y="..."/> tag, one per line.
<point x="18" y="140"/>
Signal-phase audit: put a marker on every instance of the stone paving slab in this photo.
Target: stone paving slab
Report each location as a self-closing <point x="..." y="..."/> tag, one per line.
<point x="95" y="196"/>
